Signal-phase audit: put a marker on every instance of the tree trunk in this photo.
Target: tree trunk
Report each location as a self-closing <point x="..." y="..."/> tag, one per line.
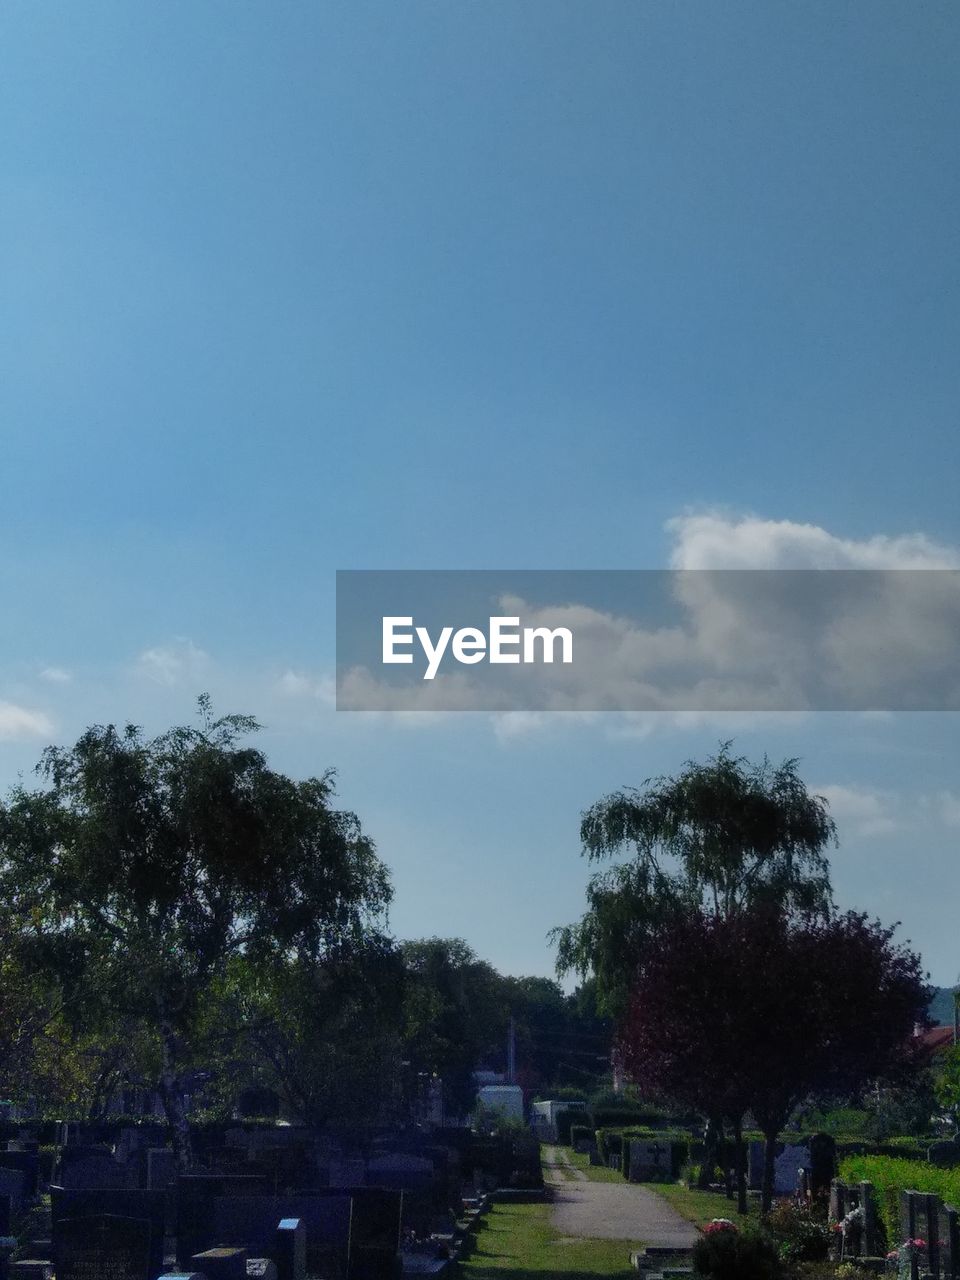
<point x="769" y="1156"/>
<point x="741" y="1165"/>
<point x="170" y="1096"/>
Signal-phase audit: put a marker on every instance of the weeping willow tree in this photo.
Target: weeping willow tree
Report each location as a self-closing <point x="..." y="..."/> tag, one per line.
<point x="721" y="837"/>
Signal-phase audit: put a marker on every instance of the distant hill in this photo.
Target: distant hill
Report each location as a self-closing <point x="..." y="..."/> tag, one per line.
<point x="941" y="1006"/>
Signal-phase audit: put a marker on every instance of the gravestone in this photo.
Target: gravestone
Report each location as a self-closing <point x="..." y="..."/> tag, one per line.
<point x="944" y="1154"/>
<point x="28" y="1163"/>
<point x="251" y="1221"/>
<point x="949" y="1224"/>
<point x="290" y="1249"/>
<point x="195" y="1193"/>
<point x="327" y="1223"/>
<point x="822" y="1163"/>
<point x="871" y="1233"/>
<point x="788" y="1160"/>
<point x="162" y="1167"/>
<point x="909" y="1227"/>
<point x="375" y="1227"/>
<point x="68" y="1203"/>
<point x="649" y="1161"/>
<point x="13" y="1183"/>
<point x="931" y="1214"/>
<point x="103" y="1247"/>
<point x="91" y="1168"/>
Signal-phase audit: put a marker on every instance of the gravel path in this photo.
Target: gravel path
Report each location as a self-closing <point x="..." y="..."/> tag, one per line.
<point x="610" y="1211"/>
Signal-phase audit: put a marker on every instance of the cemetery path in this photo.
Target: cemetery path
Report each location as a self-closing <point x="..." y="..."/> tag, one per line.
<point x="557" y="1167"/>
<point x="608" y="1211"/>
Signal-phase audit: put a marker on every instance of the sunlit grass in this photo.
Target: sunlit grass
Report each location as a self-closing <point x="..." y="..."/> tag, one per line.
<point x="517" y="1240"/>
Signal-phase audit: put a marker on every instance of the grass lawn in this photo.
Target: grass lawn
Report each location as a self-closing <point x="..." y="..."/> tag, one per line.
<point x="516" y="1240"/>
<point x="700" y="1206"/>
<point x="596" y="1173"/>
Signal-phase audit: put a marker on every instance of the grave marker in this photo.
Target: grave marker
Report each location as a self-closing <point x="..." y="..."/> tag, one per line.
<point x="103" y="1247"/>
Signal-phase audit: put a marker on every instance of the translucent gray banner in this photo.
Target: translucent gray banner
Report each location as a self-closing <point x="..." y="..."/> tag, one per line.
<point x="648" y="640"/>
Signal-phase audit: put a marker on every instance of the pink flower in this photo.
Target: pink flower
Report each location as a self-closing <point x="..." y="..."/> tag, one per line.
<point x="719" y="1224"/>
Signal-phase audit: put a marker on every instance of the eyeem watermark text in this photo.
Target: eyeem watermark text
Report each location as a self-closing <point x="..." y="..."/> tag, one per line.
<point x="504" y="642"/>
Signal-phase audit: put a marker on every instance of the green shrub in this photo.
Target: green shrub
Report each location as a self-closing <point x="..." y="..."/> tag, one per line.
<point x="727" y="1253"/>
<point x="580" y="1133"/>
<point x="890" y="1176"/>
<point x="800" y="1236"/>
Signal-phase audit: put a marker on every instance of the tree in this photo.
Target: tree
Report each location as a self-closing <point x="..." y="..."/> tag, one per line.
<point x="147" y="865"/>
<point x="323" y="1033"/>
<point x="455" y="1012"/>
<point x="758" y="1010"/>
<point x="722" y="836"/>
<point x="947" y="1081"/>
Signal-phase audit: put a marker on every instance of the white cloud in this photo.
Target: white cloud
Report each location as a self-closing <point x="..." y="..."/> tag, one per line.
<point x="295" y="684"/>
<point x="715" y="541"/>
<point x="860" y="811"/>
<point x="174" y="664"/>
<point x="56" y="675"/>
<point x="22" y="722"/>
<point x="707" y="641"/>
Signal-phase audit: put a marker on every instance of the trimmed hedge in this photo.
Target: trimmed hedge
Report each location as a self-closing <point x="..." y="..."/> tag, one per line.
<point x="581" y="1133"/>
<point x="891" y="1175"/>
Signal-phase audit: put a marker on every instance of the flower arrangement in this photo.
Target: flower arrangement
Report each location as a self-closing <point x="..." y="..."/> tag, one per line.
<point x="900" y="1258"/>
<point x="719" y="1224"/>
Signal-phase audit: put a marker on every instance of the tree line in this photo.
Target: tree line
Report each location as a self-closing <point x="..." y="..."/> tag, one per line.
<point x="180" y="916"/>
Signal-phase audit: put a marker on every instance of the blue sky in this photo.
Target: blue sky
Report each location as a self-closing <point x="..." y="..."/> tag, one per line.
<point x="295" y="288"/>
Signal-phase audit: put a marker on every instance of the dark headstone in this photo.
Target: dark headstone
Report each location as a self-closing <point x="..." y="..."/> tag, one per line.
<point x="161" y="1167"/>
<point x="91" y="1169"/>
<point x="649" y="1161"/>
<point x="822" y="1163"/>
<point x="5" y="1214"/>
<point x="931" y="1213"/>
<point x="252" y="1222"/>
<point x="28" y="1163"/>
<point x="375" y="1232"/>
<point x="944" y="1154"/>
<point x="67" y="1203"/>
<point x="290" y="1249"/>
<point x="195" y="1194"/>
<point x="13" y="1183"/>
<point x="908" y="1227"/>
<point x="103" y="1247"/>
<point x="222" y="1264"/>
<point x="949" y="1242"/>
<point x="870" y="1235"/>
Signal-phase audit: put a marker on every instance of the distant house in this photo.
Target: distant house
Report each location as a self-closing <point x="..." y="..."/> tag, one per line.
<point x="937" y="1040"/>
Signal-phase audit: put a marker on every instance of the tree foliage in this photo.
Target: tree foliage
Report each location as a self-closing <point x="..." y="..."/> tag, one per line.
<point x="759" y="1010"/>
<point x="144" y="866"/>
<point x="721" y="836"/>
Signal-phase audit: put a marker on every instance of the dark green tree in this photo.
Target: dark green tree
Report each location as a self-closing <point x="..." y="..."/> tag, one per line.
<point x="456" y="1012"/>
<point x="144" y="866"/>
<point x="723" y="835"/>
